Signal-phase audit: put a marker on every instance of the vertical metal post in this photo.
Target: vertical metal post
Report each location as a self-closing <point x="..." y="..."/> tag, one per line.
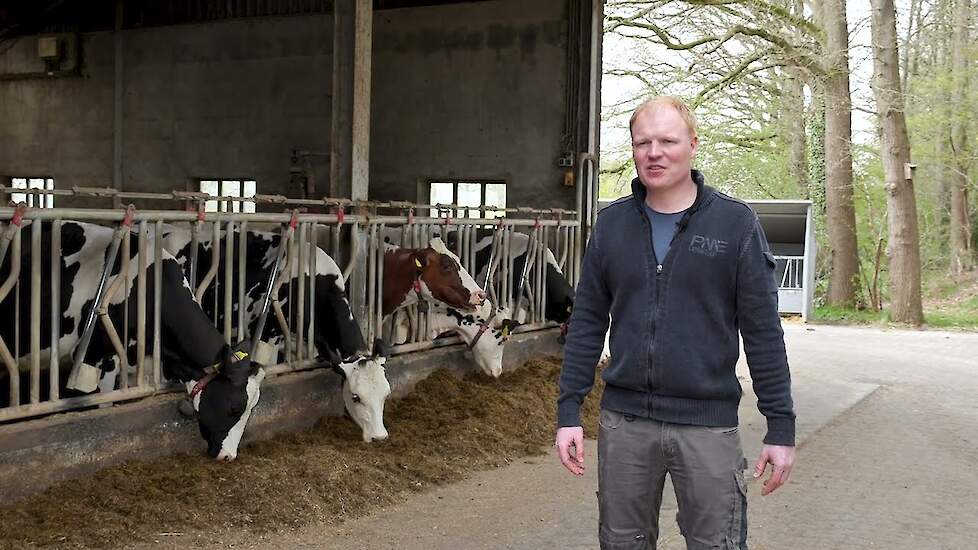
<point x="124" y="274"/>
<point x="194" y="242"/>
<point x="8" y="360"/>
<point x="300" y="306"/>
<point x="141" y="303"/>
<point x="379" y="302"/>
<point x="371" y="282"/>
<point x="313" y="265"/>
<point x="35" y="327"/>
<point x="157" y="302"/>
<point x="543" y="274"/>
<point x="228" y="279"/>
<point x="54" y="364"/>
<point x="242" y="279"/>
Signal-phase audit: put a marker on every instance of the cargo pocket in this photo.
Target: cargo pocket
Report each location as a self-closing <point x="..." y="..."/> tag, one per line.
<point x="736" y="538"/>
<point x="630" y="540"/>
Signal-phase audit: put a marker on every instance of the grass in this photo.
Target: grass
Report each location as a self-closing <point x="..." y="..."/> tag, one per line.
<point x="950" y="307"/>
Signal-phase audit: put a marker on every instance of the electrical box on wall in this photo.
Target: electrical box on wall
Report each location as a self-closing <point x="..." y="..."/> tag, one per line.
<point x="49" y="48"/>
<point x="566" y="161"/>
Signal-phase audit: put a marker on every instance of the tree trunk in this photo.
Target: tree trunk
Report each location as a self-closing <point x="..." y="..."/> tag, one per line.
<point x="794" y="108"/>
<point x="903" y="249"/>
<point x="840" y="213"/>
<point x="961" y="253"/>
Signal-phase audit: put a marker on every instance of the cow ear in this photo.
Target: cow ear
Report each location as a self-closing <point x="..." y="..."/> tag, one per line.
<point x="347" y="369"/>
<point x="420" y="259"/>
<point x="237" y="363"/>
<point x="381" y="349"/>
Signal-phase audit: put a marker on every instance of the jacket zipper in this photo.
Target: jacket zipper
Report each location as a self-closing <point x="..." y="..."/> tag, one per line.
<point x="650" y="347"/>
<point x="656" y="301"/>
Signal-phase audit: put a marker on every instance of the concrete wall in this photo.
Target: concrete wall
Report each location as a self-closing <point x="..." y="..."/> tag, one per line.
<point x="230" y="99"/>
<point x="470" y="91"/>
<point x="39" y="453"/>
<point x="465" y="90"/>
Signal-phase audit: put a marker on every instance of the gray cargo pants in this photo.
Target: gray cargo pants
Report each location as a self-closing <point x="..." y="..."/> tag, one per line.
<point x="707" y="469"/>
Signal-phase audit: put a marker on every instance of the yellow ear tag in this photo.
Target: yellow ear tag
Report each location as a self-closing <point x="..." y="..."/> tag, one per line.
<point x="505" y="330"/>
<point x="239" y="355"/>
<point x="417" y="262"/>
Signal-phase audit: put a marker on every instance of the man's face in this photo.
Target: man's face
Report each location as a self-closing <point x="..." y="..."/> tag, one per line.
<point x="663" y="147"/>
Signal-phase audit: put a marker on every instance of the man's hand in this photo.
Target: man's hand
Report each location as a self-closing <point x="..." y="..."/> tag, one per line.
<point x="781" y="459"/>
<point x="567" y="438"/>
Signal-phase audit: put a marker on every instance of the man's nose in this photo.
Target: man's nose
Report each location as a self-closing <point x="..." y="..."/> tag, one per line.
<point x="654" y="150"/>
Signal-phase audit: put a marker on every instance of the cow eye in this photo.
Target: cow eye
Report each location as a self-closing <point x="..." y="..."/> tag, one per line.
<point x="356" y="398"/>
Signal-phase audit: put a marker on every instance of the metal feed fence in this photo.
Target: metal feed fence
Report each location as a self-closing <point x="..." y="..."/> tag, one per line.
<point x="355" y="241"/>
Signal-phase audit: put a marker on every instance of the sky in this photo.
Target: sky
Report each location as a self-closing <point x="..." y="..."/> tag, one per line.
<point x="616" y="52"/>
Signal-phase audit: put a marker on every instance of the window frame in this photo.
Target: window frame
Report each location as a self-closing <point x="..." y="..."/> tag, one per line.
<point x="226" y="206"/>
<point x="47" y="201"/>
<point x="455" y="181"/>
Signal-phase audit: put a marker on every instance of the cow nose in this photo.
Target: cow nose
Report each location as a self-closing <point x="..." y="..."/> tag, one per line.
<point x="225" y="456"/>
<point x="380" y="436"/>
<point x="479" y="298"/>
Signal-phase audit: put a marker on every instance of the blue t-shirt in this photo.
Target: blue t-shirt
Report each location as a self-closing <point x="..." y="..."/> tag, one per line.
<point x="663" y="230"/>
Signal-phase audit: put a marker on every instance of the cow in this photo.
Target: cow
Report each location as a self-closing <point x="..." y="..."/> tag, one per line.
<point x="433" y="273"/>
<point x="336" y="336"/>
<point x="484" y="337"/>
<point x="224" y="382"/>
<point x="559" y="292"/>
<point x="483" y="328"/>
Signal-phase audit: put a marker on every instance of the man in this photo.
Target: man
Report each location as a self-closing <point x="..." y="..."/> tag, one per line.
<point x="676" y="297"/>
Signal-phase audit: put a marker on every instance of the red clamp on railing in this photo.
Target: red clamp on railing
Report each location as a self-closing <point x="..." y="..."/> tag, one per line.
<point x="340" y="215"/>
<point x="130" y="214"/>
<point x="536" y="223"/>
<point x="410" y="216"/>
<point x="200" y="215"/>
<point x="294" y="222"/>
<point x="18" y="218"/>
<point x="449" y="220"/>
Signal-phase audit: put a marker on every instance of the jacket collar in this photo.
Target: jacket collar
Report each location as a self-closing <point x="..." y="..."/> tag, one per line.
<point x="704" y="193"/>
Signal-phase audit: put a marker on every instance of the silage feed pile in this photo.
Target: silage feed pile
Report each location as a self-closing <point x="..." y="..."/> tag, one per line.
<point x="445" y="429"/>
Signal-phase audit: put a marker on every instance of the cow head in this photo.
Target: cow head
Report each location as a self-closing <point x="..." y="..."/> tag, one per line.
<point x="489" y="339"/>
<point x="223" y="401"/>
<point x="365" y="389"/>
<point x="441" y="274"/>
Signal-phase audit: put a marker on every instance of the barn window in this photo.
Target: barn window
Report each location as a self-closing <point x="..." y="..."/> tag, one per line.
<point x="229" y="188"/>
<point x="33" y="200"/>
<point x="468" y="193"/>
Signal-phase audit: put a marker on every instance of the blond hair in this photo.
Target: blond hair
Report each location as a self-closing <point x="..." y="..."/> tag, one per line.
<point x="667" y="101"/>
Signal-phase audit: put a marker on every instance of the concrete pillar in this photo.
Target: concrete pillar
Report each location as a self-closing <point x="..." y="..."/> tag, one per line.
<point x="350" y="155"/>
<point x="350" y="143"/>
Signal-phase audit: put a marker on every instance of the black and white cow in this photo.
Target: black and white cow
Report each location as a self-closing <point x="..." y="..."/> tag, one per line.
<point x="560" y="294"/>
<point x="223" y="395"/>
<point x="337" y="336"/>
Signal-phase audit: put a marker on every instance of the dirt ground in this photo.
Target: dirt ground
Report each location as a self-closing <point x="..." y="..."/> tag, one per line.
<point x="888" y="432"/>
